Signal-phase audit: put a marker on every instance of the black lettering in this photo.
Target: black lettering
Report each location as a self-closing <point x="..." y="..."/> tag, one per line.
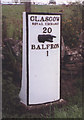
<point x="49" y="30"/>
<point x="38" y="47"/>
<point x="56" y="46"/>
<point x="35" y="23"/>
<point x="43" y="46"/>
<point x="44" y="30"/>
<point x="52" y="46"/>
<point x="40" y="23"/>
<point x="35" y="18"/>
<point x="32" y="18"/>
<point x="47" y="53"/>
<point x="32" y="47"/>
<point x="54" y="18"/>
<point x="47" y="46"/>
<point x="47" y="18"/>
<point x="57" y="19"/>
<point x="50" y="18"/>
<point x="42" y="19"/>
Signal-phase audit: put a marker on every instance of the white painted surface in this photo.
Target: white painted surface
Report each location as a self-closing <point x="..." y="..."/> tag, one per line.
<point x="23" y="92"/>
<point x="44" y="71"/>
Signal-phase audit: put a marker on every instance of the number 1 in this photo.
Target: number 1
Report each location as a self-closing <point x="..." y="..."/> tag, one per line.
<point x="47" y="53"/>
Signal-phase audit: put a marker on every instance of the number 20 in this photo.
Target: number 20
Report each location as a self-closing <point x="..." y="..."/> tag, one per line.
<point x="47" y="30"/>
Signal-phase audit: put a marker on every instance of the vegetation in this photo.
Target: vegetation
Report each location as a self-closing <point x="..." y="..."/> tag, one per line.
<point x="13" y="109"/>
<point x="12" y="21"/>
<point x="71" y="26"/>
<point x="12" y="28"/>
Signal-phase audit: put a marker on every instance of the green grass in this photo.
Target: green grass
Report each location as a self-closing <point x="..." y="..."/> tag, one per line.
<point x="46" y="8"/>
<point x="69" y="112"/>
<point x="12" y="21"/>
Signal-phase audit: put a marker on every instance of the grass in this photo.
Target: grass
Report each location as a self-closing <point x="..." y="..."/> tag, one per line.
<point x="46" y="8"/>
<point x="69" y="112"/>
<point x="12" y="18"/>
